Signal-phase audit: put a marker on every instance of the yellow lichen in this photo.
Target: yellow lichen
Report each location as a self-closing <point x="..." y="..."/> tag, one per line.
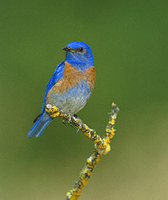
<point x="102" y="146"/>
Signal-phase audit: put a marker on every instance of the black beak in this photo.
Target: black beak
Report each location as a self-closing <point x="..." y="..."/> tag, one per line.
<point x="67" y="49"/>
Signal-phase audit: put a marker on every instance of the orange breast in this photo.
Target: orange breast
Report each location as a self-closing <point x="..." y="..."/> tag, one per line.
<point x="72" y="77"/>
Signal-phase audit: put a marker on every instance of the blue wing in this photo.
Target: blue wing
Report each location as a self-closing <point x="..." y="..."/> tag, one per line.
<point x="54" y="78"/>
<point x="43" y="120"/>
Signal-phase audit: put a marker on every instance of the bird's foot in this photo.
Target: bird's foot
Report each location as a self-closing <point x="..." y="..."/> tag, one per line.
<point x="67" y="119"/>
<point x="77" y="121"/>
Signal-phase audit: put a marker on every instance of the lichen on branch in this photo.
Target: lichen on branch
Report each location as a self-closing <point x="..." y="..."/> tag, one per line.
<point x="102" y="145"/>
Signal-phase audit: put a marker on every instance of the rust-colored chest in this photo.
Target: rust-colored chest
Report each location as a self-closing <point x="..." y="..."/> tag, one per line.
<point x="72" y="77"/>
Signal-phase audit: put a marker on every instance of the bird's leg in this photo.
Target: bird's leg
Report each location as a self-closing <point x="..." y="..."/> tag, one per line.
<point x="67" y="119"/>
<point x="70" y="118"/>
<point x="77" y="120"/>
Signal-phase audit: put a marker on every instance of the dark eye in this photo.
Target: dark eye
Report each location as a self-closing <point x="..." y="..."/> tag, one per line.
<point x="81" y="49"/>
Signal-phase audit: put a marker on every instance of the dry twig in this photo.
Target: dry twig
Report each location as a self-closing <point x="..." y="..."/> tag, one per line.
<point x="102" y="145"/>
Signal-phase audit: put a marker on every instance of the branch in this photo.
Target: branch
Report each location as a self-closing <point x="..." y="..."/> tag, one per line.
<point x="102" y="145"/>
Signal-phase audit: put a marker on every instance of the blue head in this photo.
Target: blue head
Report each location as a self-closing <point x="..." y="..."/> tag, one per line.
<point x="79" y="55"/>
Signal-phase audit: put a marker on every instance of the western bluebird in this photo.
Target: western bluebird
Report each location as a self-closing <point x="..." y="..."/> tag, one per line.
<point x="70" y="85"/>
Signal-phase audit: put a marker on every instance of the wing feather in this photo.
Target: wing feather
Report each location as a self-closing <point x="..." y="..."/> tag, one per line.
<point x="58" y="74"/>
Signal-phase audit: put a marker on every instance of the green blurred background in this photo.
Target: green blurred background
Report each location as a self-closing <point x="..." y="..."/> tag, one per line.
<point x="129" y="40"/>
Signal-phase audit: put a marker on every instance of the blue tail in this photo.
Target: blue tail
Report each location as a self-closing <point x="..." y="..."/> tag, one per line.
<point x="40" y="125"/>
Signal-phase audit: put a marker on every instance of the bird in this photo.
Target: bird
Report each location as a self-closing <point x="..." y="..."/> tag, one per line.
<point x="70" y="86"/>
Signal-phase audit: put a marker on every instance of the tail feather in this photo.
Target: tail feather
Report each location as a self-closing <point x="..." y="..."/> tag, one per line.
<point x="36" y="119"/>
<point x="39" y="126"/>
